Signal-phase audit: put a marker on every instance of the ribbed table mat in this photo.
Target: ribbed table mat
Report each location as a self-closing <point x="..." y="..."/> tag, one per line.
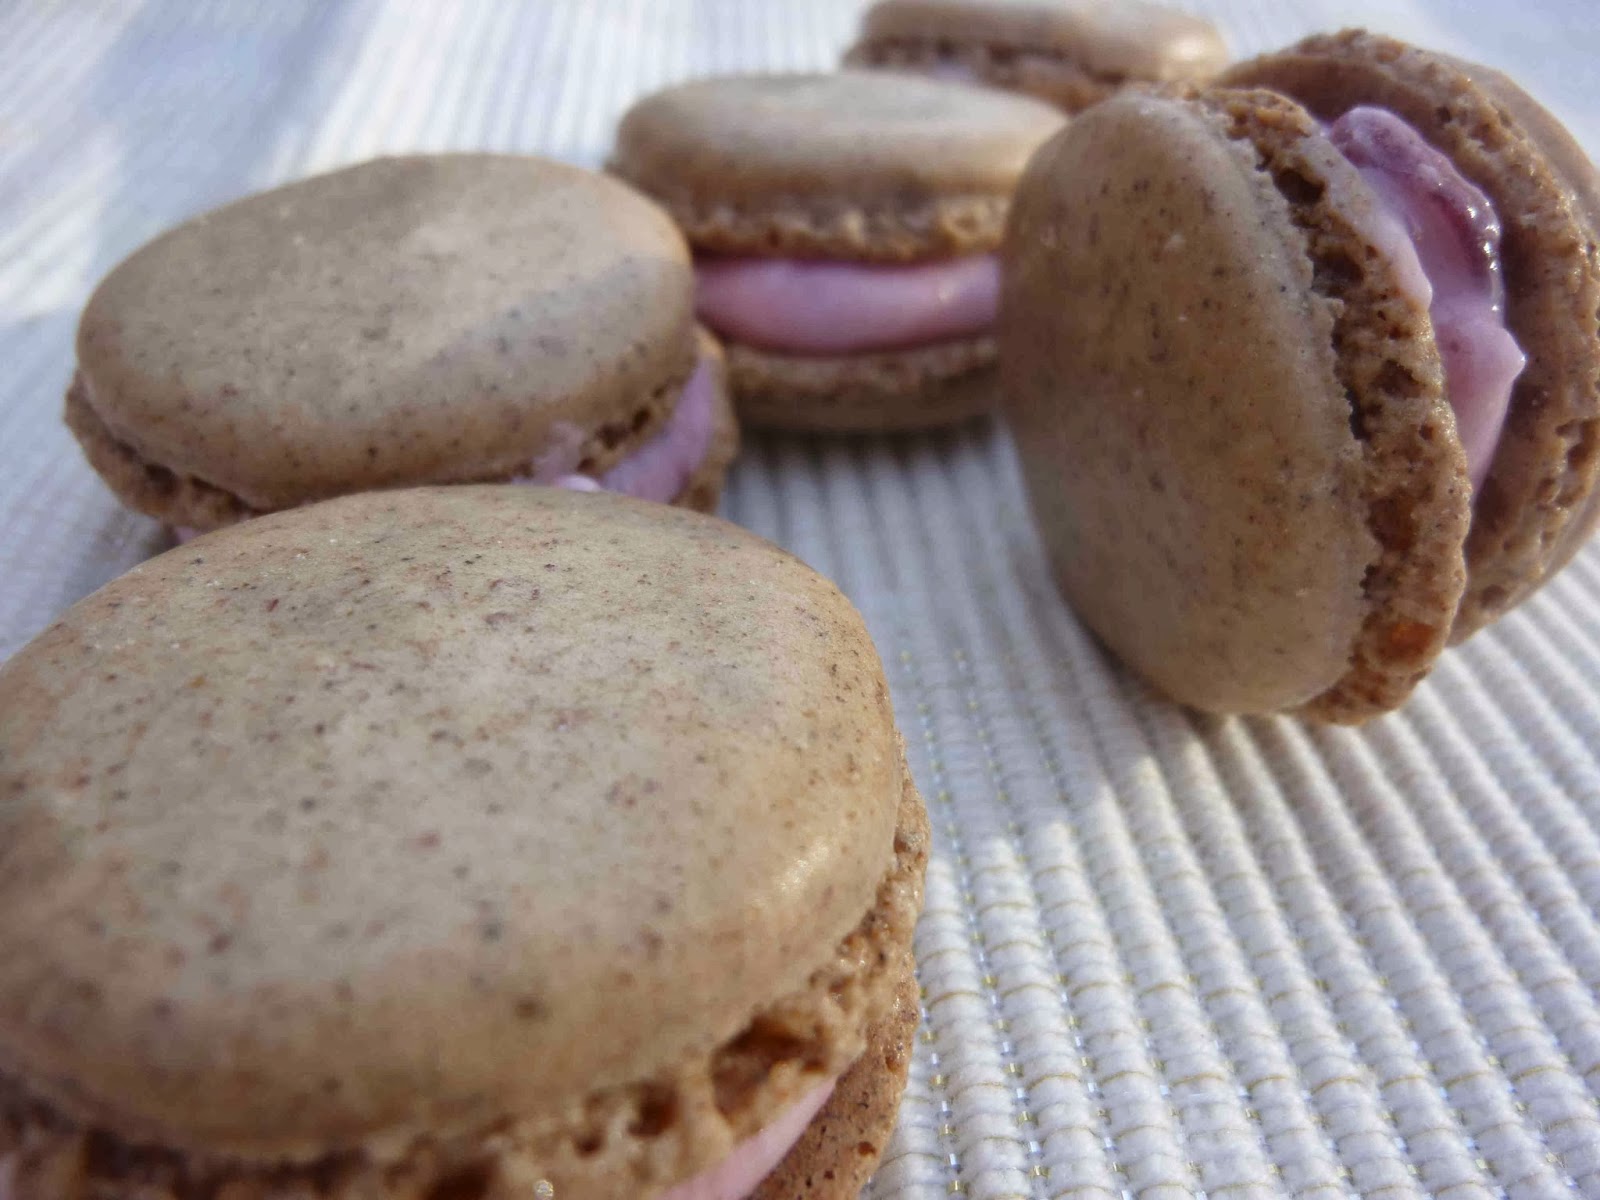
<point x="1163" y="955"/>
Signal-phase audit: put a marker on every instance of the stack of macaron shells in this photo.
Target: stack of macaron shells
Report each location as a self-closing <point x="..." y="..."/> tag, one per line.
<point x="1073" y="53"/>
<point x="1406" y="245"/>
<point x="350" y="852"/>
<point x="845" y="228"/>
<point x="415" y="320"/>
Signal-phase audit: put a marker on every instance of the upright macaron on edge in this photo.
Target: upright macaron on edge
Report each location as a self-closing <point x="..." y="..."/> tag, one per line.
<point x="1428" y="581"/>
<point x="1214" y="507"/>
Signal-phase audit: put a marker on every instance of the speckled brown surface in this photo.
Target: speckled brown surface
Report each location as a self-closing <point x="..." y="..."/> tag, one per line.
<point x="905" y="389"/>
<point x="1072" y="53"/>
<point x="1212" y="510"/>
<point x="857" y="164"/>
<point x="1538" y="503"/>
<point x="333" y="854"/>
<point x="432" y="319"/>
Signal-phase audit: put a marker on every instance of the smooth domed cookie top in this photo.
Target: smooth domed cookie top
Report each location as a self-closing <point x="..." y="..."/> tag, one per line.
<point x="1115" y="39"/>
<point x="1170" y="379"/>
<point x="850" y="148"/>
<point x="413" y="810"/>
<point x="429" y="319"/>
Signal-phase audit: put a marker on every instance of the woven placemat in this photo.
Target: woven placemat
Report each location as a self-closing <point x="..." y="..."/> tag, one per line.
<point x="1162" y="955"/>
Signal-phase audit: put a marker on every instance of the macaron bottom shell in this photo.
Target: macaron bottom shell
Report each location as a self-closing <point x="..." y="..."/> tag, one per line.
<point x="824" y="1147"/>
<point x="1236" y="440"/>
<point x="894" y="391"/>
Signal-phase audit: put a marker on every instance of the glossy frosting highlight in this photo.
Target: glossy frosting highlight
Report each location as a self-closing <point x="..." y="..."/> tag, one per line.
<point x="1443" y="236"/>
<point x="827" y="307"/>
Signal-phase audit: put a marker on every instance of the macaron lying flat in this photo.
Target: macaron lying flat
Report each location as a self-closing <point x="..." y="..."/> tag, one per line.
<point x="844" y="228"/>
<point x="1269" y="365"/>
<point x="1073" y="53"/>
<point x="470" y="841"/>
<point x="434" y="319"/>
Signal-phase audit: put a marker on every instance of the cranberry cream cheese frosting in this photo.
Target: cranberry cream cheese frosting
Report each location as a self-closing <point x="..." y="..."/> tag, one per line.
<point x="1305" y="370"/>
<point x="1073" y="53"/>
<point x="844" y="229"/>
<point x="463" y="841"/>
<point x="1442" y="237"/>
<point x="433" y="319"/>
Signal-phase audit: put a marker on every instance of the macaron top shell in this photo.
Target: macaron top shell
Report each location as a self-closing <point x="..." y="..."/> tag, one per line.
<point x="1177" y="376"/>
<point x="1114" y="39"/>
<point x="1539" y="501"/>
<point x="409" y="811"/>
<point x="409" y="320"/>
<point x="856" y="163"/>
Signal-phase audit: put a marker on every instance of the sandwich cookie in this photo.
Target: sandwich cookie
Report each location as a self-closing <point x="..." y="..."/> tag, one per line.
<point x="1073" y="53"/>
<point x="436" y="319"/>
<point x="1304" y="393"/>
<point x="459" y="842"/>
<point x="844" y="228"/>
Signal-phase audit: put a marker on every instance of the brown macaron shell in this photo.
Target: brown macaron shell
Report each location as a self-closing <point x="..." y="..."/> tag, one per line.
<point x="429" y="319"/>
<point x="1230" y="418"/>
<point x="932" y="385"/>
<point x="1072" y="53"/>
<point x="1539" y="501"/>
<point x="330" y="840"/>
<point x="856" y="165"/>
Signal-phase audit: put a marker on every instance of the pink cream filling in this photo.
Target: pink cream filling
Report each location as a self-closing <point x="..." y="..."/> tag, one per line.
<point x="659" y="470"/>
<point x="754" y="1158"/>
<point x="1443" y="236"/>
<point x="823" y="306"/>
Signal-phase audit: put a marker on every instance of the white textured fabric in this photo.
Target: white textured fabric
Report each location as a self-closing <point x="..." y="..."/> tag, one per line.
<point x="1163" y="955"/>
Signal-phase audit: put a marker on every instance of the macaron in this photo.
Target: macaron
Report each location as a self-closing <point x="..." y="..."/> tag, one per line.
<point x="420" y="320"/>
<point x="1073" y="53"/>
<point x="455" y="842"/>
<point x="844" y="228"/>
<point x="1304" y="389"/>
